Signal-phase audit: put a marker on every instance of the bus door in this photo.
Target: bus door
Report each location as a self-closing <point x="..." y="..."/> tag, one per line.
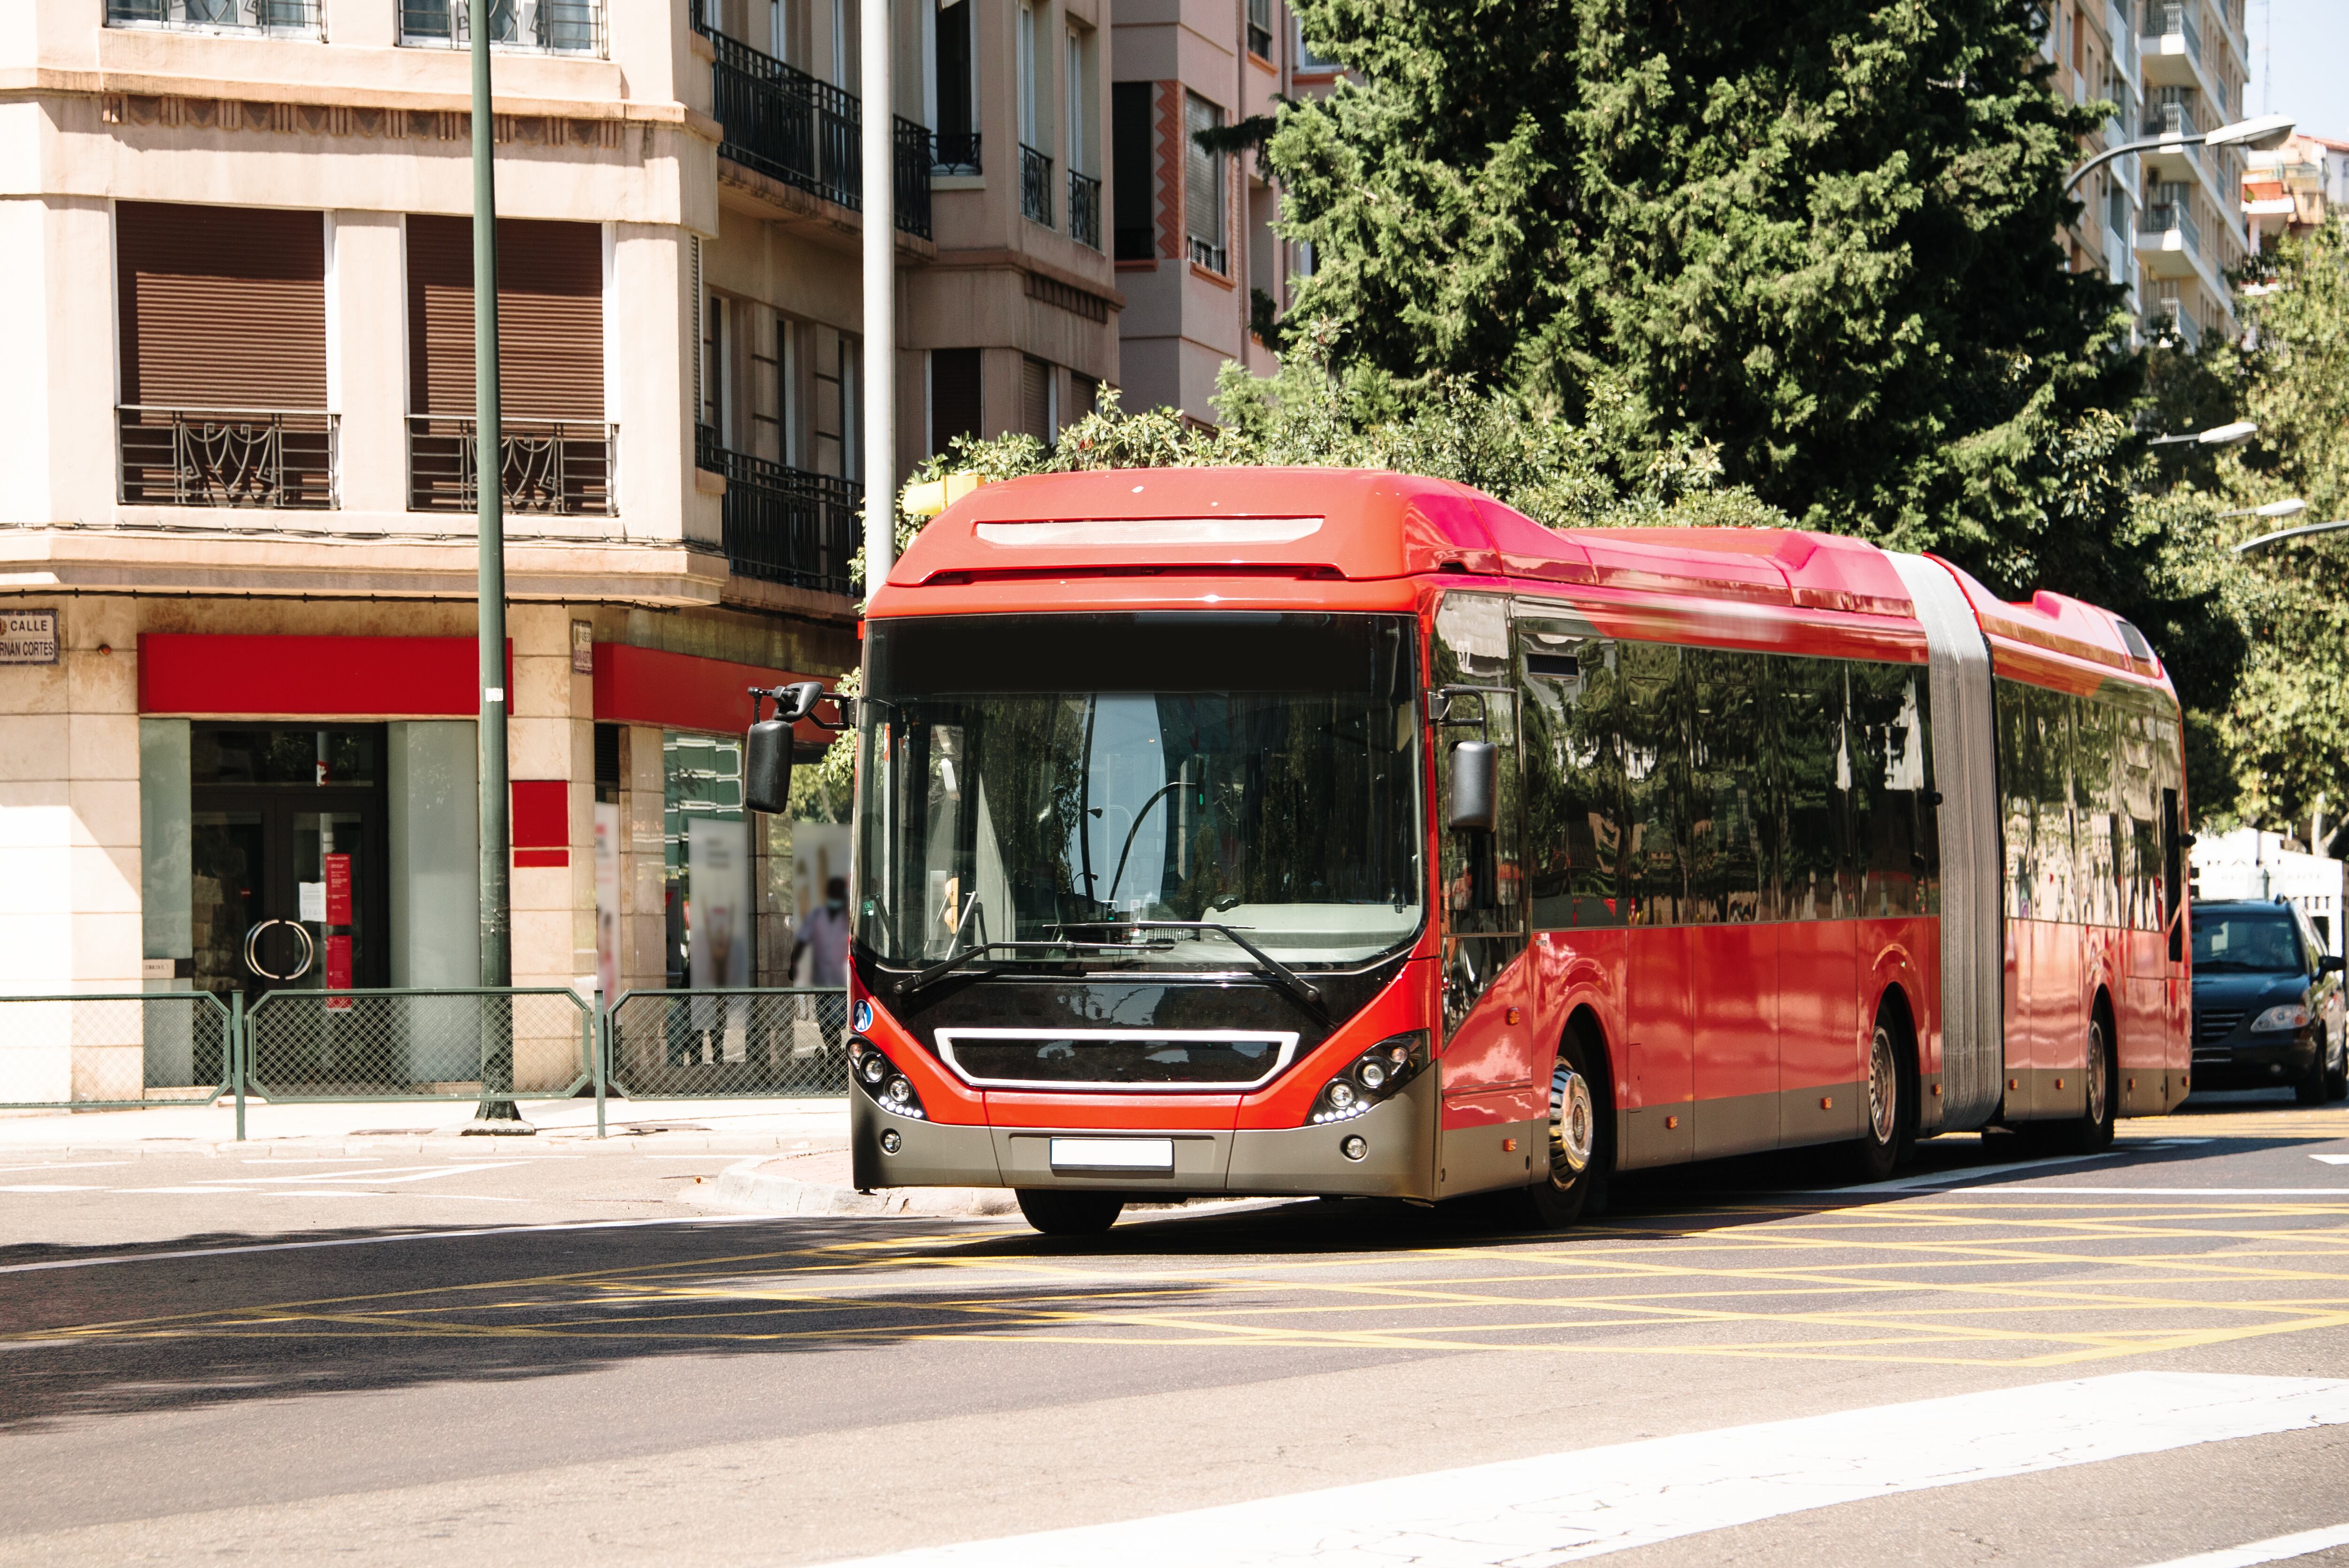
<point x="1491" y="1104"/>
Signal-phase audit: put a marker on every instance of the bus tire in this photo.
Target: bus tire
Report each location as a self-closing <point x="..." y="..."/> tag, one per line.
<point x="1577" y="1145"/>
<point x="1057" y="1212"/>
<point x="1889" y="1132"/>
<point x="2091" y="1133"/>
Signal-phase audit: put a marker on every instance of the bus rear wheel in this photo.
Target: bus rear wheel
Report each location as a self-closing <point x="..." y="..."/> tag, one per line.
<point x="2091" y="1133"/>
<point x="1890" y="1132"/>
<point x="1062" y="1213"/>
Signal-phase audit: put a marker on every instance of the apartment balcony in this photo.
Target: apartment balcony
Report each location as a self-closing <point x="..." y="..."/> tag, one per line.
<point x="782" y="524"/>
<point x="533" y="26"/>
<point x="955" y="152"/>
<point x="2170" y="319"/>
<point x="1084" y="209"/>
<point x="271" y="458"/>
<point x="808" y="134"/>
<point x="1035" y="186"/>
<point x="2123" y="37"/>
<point x="551" y="466"/>
<point x="2170" y="53"/>
<point x="2167" y="227"/>
<point x="263" y="18"/>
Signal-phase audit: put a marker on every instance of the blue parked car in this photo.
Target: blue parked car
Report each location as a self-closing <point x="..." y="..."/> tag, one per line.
<point x="2267" y="1002"/>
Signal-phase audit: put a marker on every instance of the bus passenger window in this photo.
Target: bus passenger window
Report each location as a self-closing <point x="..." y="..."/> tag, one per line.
<point x="1574" y="777"/>
<point x="1728" y="866"/>
<point x="1655" y="768"/>
<point x="1893" y="819"/>
<point x="2097" y="868"/>
<point x="2018" y="762"/>
<point x="1805" y="730"/>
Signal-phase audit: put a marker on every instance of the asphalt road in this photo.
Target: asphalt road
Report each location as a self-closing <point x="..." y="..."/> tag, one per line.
<point x="528" y="1358"/>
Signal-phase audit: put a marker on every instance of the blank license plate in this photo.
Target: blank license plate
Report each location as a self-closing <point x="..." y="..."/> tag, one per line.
<point x="1113" y="1155"/>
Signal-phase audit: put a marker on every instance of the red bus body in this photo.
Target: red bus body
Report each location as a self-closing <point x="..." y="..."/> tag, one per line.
<point x="1713" y="1037"/>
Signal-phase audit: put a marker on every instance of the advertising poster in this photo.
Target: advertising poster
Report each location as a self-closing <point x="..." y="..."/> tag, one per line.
<point x="607" y="900"/>
<point x="717" y="902"/>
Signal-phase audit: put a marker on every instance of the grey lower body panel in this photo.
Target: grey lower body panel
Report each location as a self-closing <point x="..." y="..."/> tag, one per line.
<point x="1398" y="1159"/>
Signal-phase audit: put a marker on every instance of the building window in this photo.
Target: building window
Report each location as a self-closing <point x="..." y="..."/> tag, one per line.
<point x="1039" y="410"/>
<point x="222" y="313"/>
<point x="556" y="450"/>
<point x="274" y="18"/>
<point x="957" y="130"/>
<point x="1131" y="154"/>
<point x="953" y="396"/>
<point x="1203" y="187"/>
<point x="1309" y="58"/>
<point x="1259" y="28"/>
<point x="553" y="26"/>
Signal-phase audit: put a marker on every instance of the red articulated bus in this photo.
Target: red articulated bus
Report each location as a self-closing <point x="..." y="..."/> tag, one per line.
<point x="1324" y="831"/>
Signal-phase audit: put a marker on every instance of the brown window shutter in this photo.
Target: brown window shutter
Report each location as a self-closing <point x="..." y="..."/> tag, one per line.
<point x="550" y="317"/>
<point x="221" y="307"/>
<point x="1036" y="399"/>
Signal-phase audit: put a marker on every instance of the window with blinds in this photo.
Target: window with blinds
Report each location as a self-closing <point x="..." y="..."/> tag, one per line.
<point x="1036" y="409"/>
<point x="222" y="336"/>
<point x="1203" y="186"/>
<point x="556" y="445"/>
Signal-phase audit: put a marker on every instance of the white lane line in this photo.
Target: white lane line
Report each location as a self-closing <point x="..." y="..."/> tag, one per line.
<point x="1559" y="1507"/>
<point x="469" y="1234"/>
<point x="2274" y="1549"/>
<point x="65" y="1165"/>
<point x="2195" y="1191"/>
<point x="47" y="1187"/>
<point x="2331" y="1159"/>
<point x="368" y="1178"/>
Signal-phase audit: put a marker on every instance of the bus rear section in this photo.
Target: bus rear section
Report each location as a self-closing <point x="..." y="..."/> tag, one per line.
<point x="1264" y="831"/>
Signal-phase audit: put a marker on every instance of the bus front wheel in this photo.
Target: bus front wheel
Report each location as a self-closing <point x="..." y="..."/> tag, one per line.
<point x="1577" y="1146"/>
<point x="1891" y="1127"/>
<point x="1063" y="1214"/>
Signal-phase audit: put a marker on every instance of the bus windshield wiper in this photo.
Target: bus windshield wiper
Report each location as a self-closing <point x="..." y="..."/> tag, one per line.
<point x="922" y="978"/>
<point x="1290" y="981"/>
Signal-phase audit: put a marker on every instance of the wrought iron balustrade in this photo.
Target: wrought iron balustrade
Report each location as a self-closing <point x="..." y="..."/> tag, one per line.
<point x="807" y="133"/>
<point x="555" y="26"/>
<point x="782" y="524"/>
<point x="279" y="458"/>
<point x="552" y="465"/>
<point x="1035" y="186"/>
<point x="1084" y="209"/>
<point x="955" y="152"/>
<point x="282" y="18"/>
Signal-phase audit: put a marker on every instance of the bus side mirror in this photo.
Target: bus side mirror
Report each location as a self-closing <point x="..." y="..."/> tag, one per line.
<point x="767" y="760"/>
<point x="1474" y="786"/>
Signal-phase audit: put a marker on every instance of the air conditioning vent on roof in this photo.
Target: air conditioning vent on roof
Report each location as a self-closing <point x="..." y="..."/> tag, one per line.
<point x="2134" y="640"/>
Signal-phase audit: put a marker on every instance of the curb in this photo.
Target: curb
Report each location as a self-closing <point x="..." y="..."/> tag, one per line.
<point x="748" y="1187"/>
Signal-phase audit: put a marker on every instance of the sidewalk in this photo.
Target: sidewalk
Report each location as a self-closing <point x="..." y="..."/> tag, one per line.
<point x="669" y="1126"/>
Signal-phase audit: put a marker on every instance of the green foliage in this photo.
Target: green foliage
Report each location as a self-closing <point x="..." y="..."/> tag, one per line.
<point x="2286" y="733"/>
<point x="1814" y="235"/>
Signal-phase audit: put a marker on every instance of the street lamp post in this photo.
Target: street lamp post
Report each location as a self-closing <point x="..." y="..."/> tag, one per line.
<point x="880" y="298"/>
<point x="494" y="1113"/>
<point x="2291" y="506"/>
<point x="2233" y="435"/>
<point x="2303" y="532"/>
<point x="2264" y="134"/>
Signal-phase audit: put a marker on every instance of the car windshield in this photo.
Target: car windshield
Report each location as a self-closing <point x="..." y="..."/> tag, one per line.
<point x="2252" y="941"/>
<point x="1049" y="780"/>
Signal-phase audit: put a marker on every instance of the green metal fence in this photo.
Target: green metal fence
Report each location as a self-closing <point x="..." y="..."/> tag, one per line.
<point x="123" y="1050"/>
<point x="749" y="1043"/>
<point x="117" y="1049"/>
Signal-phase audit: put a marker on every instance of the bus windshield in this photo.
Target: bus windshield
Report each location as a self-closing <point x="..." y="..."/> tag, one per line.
<point x="1033" y="786"/>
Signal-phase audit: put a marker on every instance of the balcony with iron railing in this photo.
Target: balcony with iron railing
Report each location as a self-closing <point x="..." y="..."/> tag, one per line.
<point x="267" y="18"/>
<point x="273" y="458"/>
<point x="2167" y="19"/>
<point x="1035" y="186"/>
<point x="2166" y="218"/>
<point x="782" y="524"/>
<point x="955" y="152"/>
<point x="542" y="26"/>
<point x="558" y="467"/>
<point x="806" y="133"/>
<point x="1084" y="209"/>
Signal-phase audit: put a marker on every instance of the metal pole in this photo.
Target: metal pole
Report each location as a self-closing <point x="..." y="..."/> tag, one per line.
<point x="880" y="297"/>
<point x="488" y="488"/>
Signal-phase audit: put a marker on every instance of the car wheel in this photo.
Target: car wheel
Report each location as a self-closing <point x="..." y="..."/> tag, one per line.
<point x="2315" y="1084"/>
<point x="2091" y="1133"/>
<point x="1890" y="1130"/>
<point x="1062" y="1213"/>
<point x="1577" y="1145"/>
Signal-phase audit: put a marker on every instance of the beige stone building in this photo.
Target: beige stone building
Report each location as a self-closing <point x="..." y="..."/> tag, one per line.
<point x="236" y="488"/>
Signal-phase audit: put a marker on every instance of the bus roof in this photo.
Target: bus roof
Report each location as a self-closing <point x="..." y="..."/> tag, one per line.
<point x="1360" y="525"/>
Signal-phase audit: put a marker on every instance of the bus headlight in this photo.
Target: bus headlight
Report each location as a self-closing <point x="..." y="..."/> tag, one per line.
<point x="2291" y="1015"/>
<point x="878" y="1077"/>
<point x="1372" y="1077"/>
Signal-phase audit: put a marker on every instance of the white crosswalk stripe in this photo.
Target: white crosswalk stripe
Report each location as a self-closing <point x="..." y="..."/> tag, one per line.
<point x="2275" y="1549"/>
<point x="1563" y="1507"/>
